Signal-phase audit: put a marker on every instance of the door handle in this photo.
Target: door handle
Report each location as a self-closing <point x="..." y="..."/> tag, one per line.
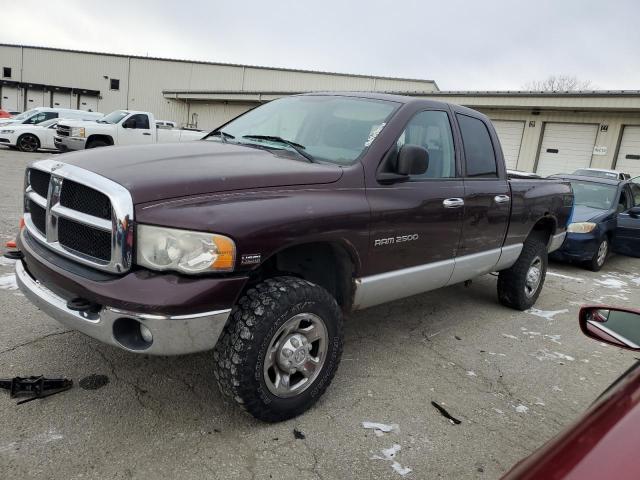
<point x="146" y="133"/>
<point x="502" y="198"/>
<point x="453" y="203"/>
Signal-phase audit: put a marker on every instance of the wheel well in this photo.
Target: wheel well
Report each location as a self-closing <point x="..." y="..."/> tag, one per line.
<point x="326" y="264"/>
<point x="104" y="138"/>
<point x="30" y="134"/>
<point x="544" y="229"/>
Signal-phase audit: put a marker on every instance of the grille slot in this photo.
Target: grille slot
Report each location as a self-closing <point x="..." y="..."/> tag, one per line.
<point x="84" y="199"/>
<point x="38" y="216"/>
<point x="39" y="182"/>
<point x="63" y="131"/>
<point x="84" y="239"/>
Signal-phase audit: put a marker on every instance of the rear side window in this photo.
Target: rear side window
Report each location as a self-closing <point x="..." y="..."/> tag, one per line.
<point x="635" y="191"/>
<point x="478" y="149"/>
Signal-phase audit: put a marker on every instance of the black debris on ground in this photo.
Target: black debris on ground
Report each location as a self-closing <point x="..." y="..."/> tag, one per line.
<point x="298" y="435"/>
<point x="446" y="414"/>
<point x="93" y="382"/>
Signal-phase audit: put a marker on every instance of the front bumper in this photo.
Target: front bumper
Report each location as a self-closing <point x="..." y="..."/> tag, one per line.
<point x="170" y="335"/>
<point x="578" y="247"/>
<point x="69" y="143"/>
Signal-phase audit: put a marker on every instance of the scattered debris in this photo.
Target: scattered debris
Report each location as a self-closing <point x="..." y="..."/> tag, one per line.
<point x="457" y="337"/>
<point x="556" y="388"/>
<point x="471" y="373"/>
<point x="498" y="411"/>
<point x="34" y="387"/>
<point x="445" y="414"/>
<point x="522" y="409"/>
<point x="381" y="428"/>
<point x="389" y="454"/>
<point x="546" y="314"/>
<point x="4" y="261"/>
<point x="544" y="354"/>
<point x="93" y="382"/>
<point x="298" y="435"/>
<point x="506" y="335"/>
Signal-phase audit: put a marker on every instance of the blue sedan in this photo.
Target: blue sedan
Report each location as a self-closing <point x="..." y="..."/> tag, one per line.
<point x="606" y="217"/>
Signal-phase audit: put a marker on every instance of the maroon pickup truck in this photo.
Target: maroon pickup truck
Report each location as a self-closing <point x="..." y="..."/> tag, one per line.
<point x="256" y="240"/>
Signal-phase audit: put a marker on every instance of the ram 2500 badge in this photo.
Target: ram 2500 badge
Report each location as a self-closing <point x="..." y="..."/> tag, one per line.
<point x="255" y="241"/>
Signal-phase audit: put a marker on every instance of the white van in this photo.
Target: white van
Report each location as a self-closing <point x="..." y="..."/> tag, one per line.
<point x="40" y="114"/>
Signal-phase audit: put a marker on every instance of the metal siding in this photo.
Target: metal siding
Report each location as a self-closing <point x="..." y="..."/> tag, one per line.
<point x="399" y="85"/>
<point x="257" y="79"/>
<point x="215" y="77"/>
<point x="11" y="57"/>
<point x="629" y="147"/>
<point x="574" y="142"/>
<point x="212" y="115"/>
<point x="510" y="134"/>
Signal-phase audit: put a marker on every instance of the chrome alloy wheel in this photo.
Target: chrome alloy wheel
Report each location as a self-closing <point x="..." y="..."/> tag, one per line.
<point x="296" y="355"/>
<point x="603" y="249"/>
<point x="533" y="278"/>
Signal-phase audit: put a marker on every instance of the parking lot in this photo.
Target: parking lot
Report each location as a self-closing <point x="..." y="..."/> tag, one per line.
<point x="513" y="379"/>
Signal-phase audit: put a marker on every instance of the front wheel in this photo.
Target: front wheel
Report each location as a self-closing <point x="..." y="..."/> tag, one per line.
<point x="280" y="349"/>
<point x="598" y="259"/>
<point x="520" y="285"/>
<point x="28" y="143"/>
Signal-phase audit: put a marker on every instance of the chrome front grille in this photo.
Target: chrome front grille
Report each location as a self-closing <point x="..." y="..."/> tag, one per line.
<point x="79" y="214"/>
<point x="63" y="131"/>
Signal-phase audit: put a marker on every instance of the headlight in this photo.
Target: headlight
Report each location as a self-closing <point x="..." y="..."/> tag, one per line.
<point x="162" y="248"/>
<point x="7" y="131"/>
<point x="581" y="227"/>
<point x="77" y="132"/>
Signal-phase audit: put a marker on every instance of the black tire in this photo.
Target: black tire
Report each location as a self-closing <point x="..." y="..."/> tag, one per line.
<point x="513" y="287"/>
<point x="240" y="355"/>
<point x="97" y="144"/>
<point x="600" y="256"/>
<point x="28" y="143"/>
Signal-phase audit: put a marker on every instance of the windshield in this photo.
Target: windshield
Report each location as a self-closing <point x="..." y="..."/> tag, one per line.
<point x="25" y="115"/>
<point x="596" y="173"/>
<point x="113" y="117"/>
<point x="326" y="128"/>
<point x="594" y="195"/>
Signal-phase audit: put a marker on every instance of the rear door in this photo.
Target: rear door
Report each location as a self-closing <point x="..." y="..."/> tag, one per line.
<point x="487" y="200"/>
<point x="135" y="130"/>
<point x="627" y="234"/>
<point x="566" y="147"/>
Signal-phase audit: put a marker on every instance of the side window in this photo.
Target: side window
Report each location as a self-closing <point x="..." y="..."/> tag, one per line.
<point x="138" y="121"/>
<point x="478" y="149"/>
<point x="50" y="115"/>
<point x="635" y="191"/>
<point x="432" y="130"/>
<point x="623" y="202"/>
<point x="37" y="118"/>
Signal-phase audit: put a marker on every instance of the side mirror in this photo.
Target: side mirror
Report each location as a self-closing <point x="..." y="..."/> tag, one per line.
<point x="612" y="325"/>
<point x="634" y="212"/>
<point x="412" y="160"/>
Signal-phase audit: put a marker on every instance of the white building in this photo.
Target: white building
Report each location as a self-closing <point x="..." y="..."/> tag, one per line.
<point x="546" y="132"/>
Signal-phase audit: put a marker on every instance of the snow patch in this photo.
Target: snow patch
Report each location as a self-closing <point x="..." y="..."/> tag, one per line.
<point x="611" y="282"/>
<point x="522" y="409"/>
<point x="381" y="428"/>
<point x="498" y="411"/>
<point x="568" y="277"/>
<point x="546" y="314"/>
<point x="506" y="335"/>
<point x="544" y="354"/>
<point x="471" y="373"/>
<point x="556" y="388"/>
<point x="389" y="454"/>
<point x="8" y="282"/>
<point x="7" y="262"/>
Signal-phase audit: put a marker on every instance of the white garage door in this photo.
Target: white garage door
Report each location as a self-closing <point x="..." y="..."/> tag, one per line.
<point x="61" y="100"/>
<point x="88" y="103"/>
<point x="35" y="98"/>
<point x="9" y="99"/>
<point x="566" y="147"/>
<point x="510" y="135"/>
<point x="628" y="160"/>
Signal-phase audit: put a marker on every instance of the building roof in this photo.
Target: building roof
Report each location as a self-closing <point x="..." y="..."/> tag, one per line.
<point x="282" y="69"/>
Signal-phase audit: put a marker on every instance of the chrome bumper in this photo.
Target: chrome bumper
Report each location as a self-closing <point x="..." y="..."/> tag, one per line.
<point x="556" y="241"/>
<point x="171" y="335"/>
<point x="69" y="143"/>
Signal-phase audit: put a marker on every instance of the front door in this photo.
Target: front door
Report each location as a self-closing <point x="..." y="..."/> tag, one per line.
<point x="487" y="201"/>
<point x="135" y="130"/>
<point x="414" y="236"/>
<point x="626" y="238"/>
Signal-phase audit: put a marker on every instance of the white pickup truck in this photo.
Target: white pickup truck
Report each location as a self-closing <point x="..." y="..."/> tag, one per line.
<point x="122" y="127"/>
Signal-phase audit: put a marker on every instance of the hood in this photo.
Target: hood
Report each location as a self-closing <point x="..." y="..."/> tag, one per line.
<point x="84" y="123"/>
<point x="162" y="171"/>
<point x="582" y="213"/>
<point x="7" y="121"/>
<point x="19" y="126"/>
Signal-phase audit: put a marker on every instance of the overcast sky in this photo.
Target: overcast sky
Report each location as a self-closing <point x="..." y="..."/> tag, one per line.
<point x="462" y="45"/>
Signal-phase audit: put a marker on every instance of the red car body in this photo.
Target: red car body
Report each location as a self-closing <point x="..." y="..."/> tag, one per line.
<point x="603" y="444"/>
<point x="4" y="114"/>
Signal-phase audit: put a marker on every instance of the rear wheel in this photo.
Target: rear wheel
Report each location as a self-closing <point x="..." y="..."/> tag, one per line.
<point x="600" y="257"/>
<point x="520" y="285"/>
<point x="28" y="143"/>
<point x="280" y="349"/>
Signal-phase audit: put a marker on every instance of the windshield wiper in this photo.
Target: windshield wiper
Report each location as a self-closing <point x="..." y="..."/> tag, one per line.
<point x="223" y="135"/>
<point x="296" y="146"/>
